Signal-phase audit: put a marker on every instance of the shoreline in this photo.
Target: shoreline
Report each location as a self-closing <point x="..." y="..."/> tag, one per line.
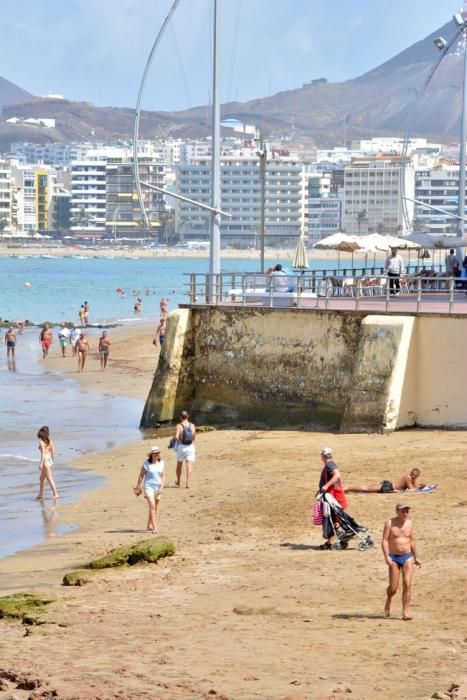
<point x="245" y="517"/>
<point x="270" y="254"/>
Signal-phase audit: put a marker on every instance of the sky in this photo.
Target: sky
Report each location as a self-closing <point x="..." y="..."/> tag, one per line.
<point x="96" y="50"/>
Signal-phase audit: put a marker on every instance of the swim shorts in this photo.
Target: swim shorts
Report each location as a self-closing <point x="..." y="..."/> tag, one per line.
<point x="46" y="343"/>
<point x="386" y="487"/>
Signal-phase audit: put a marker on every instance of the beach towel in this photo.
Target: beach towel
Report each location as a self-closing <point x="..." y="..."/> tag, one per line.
<point x="427" y="489"/>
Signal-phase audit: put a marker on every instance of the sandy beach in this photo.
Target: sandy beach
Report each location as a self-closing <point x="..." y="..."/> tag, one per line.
<point x="248" y="607"/>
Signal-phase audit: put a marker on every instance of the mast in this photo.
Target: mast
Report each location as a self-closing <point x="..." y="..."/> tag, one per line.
<point x="215" y="233"/>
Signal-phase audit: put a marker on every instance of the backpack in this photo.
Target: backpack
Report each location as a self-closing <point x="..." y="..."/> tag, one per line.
<point x="187" y="434"/>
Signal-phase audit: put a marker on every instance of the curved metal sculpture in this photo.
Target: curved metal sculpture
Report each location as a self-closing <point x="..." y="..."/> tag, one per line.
<point x="138" y="110"/>
<point x="421" y="94"/>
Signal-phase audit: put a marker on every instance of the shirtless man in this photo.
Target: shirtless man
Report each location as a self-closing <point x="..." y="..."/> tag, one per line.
<point x="399" y="551"/>
<point x="407" y="482"/>
<point x="10" y="342"/>
<point x="45" y="339"/>
<point x="104" y="349"/>
<point x="82" y="349"/>
<point x="160" y="332"/>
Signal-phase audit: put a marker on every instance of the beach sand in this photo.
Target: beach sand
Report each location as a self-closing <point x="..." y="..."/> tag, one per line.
<point x="248" y="606"/>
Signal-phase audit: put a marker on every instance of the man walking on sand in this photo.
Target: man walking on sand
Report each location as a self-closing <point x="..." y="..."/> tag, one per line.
<point x="104" y="349"/>
<point x="400" y="554"/>
<point x="82" y="349"/>
<point x="45" y="339"/>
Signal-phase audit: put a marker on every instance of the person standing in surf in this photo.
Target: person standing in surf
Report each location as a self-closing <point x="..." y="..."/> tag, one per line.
<point x="47" y="448"/>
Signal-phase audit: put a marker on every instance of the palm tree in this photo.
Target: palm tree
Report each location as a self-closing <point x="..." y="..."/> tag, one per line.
<point x="381" y="228"/>
<point x="361" y="218"/>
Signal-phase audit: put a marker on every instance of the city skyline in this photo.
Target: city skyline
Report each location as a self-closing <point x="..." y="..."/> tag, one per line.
<point x="92" y="53"/>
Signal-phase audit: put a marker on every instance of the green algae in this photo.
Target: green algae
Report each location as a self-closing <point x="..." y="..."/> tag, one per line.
<point x="149" y="551"/>
<point x="77" y="578"/>
<point x="146" y="551"/>
<point x="23" y="606"/>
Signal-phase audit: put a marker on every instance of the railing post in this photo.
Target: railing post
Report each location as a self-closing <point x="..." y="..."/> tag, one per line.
<point x="192" y="288"/>
<point x="387" y="292"/>
<point x="243" y="289"/>
<point x="206" y="289"/>
<point x="451" y="293"/>
<point x="326" y="288"/>
<point x="358" y="293"/>
<point x="218" y="295"/>
<point x="419" y="292"/>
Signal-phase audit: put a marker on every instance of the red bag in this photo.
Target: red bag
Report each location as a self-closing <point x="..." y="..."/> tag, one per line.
<point x="318" y="512"/>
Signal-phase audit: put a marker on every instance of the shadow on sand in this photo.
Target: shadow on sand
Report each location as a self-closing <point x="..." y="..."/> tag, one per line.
<point x="361" y="616"/>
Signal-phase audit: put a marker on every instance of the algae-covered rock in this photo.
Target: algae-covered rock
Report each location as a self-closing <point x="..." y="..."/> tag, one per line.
<point x="149" y="550"/>
<point x="77" y="578"/>
<point x="23" y="606"/>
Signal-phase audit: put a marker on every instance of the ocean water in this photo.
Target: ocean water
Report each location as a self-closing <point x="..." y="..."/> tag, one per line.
<point x="58" y="286"/>
<point x="80" y="421"/>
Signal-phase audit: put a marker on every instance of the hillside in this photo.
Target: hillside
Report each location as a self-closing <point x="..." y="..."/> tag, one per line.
<point x="380" y="102"/>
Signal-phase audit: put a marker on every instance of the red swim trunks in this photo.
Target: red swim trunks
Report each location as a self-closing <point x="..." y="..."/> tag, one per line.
<point x="46" y="344"/>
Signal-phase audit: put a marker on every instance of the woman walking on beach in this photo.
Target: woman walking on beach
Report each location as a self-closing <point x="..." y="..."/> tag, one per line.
<point x="47" y="449"/>
<point x="152" y="474"/>
<point x="330" y="482"/>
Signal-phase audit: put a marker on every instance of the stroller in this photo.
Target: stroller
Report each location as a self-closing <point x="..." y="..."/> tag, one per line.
<point x="345" y="527"/>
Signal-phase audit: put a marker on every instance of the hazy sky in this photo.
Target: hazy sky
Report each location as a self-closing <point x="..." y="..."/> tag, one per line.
<point x="96" y="49"/>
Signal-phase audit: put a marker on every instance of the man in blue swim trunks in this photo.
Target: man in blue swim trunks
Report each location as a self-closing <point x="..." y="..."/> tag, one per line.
<point x="399" y="551"/>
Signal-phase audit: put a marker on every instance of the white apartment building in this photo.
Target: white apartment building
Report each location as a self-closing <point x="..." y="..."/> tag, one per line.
<point x="5" y="197"/>
<point x="372" y="195"/>
<point x="33" y="192"/>
<point x="241" y="197"/>
<point x="56" y="154"/>
<point x="88" y="196"/>
<point x="324" y="206"/>
<point x="393" y="145"/>
<point x="437" y="187"/>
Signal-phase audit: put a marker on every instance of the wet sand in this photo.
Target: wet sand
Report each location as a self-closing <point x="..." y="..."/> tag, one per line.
<point x="248" y="606"/>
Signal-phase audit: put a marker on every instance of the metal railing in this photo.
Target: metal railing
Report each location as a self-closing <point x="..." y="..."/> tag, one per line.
<point x="411" y="293"/>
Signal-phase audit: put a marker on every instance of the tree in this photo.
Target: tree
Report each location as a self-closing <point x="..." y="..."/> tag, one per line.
<point x="381" y="228"/>
<point x="361" y="218"/>
<point x="3" y="224"/>
<point x="418" y="224"/>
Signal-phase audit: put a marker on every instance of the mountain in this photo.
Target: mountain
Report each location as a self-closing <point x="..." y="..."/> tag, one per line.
<point x="378" y="103"/>
<point x="11" y="93"/>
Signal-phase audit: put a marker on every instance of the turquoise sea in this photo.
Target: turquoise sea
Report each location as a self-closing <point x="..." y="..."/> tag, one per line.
<point x="58" y="286"/>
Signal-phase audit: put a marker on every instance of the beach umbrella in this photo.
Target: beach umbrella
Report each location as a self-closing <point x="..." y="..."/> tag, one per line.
<point x="431" y="241"/>
<point x="300" y="260"/>
<point x="341" y="242"/>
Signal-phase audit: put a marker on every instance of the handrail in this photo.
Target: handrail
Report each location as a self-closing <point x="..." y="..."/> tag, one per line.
<point x="414" y="293"/>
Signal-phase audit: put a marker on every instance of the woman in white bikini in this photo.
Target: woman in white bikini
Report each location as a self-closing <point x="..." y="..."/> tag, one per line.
<point x="47" y="449"/>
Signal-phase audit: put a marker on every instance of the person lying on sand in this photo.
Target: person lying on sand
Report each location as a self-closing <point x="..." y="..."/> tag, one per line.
<point x="407" y="482"/>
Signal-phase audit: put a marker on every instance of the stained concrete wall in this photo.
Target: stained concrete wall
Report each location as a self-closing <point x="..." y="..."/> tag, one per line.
<point x="277" y="367"/>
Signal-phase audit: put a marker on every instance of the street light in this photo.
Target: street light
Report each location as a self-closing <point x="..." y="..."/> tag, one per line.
<point x="444" y="46"/>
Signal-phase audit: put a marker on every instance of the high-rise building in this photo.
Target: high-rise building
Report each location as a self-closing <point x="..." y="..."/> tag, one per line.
<point x="5" y="197"/>
<point x="437" y="187"/>
<point x="88" y="196"/>
<point x="33" y="192"/>
<point x="373" y="195"/>
<point x="241" y="197"/>
<point x="324" y="206"/>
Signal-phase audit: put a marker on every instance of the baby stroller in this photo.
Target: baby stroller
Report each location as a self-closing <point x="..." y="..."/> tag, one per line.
<point x="339" y="523"/>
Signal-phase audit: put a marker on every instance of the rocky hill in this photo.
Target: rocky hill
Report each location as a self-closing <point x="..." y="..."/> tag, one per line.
<point x="377" y="103"/>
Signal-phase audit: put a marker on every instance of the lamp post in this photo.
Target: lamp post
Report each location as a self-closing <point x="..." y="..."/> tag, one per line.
<point x="215" y="233"/>
<point x="460" y="20"/>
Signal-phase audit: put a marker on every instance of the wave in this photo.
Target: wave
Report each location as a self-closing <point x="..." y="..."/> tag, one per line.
<point x="19" y="458"/>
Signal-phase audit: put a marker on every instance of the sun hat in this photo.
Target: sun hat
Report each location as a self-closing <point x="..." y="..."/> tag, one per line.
<point x="154" y="450"/>
<point x="402" y="506"/>
<point x="327" y="451"/>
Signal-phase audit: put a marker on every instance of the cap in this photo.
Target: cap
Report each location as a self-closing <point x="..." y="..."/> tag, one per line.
<point x="154" y="450"/>
<point x="403" y="506"/>
<point x="327" y="451"/>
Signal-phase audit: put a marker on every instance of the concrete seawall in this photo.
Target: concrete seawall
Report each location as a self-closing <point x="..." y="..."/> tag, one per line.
<point x="290" y="367"/>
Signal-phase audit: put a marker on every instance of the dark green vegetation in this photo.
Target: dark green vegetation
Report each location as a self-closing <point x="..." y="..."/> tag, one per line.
<point x="23" y="606"/>
<point x="149" y="551"/>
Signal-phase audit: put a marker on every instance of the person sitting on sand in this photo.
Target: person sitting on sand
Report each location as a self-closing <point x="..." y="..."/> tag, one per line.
<point x="47" y="448"/>
<point x="152" y="473"/>
<point x="400" y="554"/>
<point x="407" y="482"/>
